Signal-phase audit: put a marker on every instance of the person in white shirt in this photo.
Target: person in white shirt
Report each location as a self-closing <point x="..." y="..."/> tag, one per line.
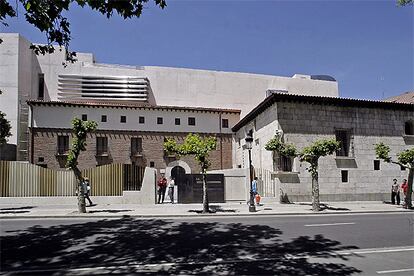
<point x="395" y="192"/>
<point x="171" y="185"/>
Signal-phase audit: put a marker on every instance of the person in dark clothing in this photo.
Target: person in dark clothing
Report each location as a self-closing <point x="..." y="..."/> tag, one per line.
<point x="87" y="190"/>
<point x="162" y="187"/>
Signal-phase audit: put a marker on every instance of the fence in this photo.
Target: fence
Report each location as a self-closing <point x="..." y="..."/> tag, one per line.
<point x="265" y="186"/>
<point x="18" y="179"/>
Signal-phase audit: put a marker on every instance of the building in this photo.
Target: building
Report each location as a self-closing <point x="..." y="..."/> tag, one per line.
<point x="407" y="97"/>
<point x="353" y="173"/>
<point x="127" y="134"/>
<point x="26" y="76"/>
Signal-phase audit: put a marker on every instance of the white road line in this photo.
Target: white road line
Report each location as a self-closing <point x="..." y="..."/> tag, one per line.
<point x="330" y="224"/>
<point x="383" y="251"/>
<point x="395" y="271"/>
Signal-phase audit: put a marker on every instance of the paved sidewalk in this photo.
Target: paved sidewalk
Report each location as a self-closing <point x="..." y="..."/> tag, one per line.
<point x="181" y="210"/>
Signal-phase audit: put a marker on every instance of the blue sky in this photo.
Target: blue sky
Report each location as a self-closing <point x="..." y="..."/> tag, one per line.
<point x="366" y="45"/>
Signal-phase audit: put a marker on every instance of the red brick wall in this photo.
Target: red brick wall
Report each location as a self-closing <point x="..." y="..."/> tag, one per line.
<point x="119" y="146"/>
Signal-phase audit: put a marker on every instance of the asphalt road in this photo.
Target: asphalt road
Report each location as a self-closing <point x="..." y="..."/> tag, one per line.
<point x="359" y="244"/>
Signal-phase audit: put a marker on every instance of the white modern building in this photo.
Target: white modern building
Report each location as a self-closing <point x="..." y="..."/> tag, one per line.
<point x="25" y="76"/>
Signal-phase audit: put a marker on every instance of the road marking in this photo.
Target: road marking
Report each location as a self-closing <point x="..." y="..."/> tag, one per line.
<point x="395" y="271"/>
<point x="383" y="251"/>
<point x="330" y="224"/>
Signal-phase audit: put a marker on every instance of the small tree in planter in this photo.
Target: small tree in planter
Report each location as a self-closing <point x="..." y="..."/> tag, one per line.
<point x="404" y="159"/>
<point x="311" y="154"/>
<point x="80" y="129"/>
<point x="200" y="148"/>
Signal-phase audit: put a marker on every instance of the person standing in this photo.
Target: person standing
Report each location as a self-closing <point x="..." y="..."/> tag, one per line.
<point x="404" y="188"/>
<point x="162" y="186"/>
<point x="395" y="192"/>
<point x="87" y="190"/>
<point x="254" y="186"/>
<point x="171" y="185"/>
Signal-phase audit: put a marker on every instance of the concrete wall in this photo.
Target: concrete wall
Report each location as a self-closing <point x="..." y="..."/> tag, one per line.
<point x="304" y="123"/>
<point x="236" y="184"/>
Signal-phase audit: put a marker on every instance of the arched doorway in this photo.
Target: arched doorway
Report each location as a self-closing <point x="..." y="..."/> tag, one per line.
<point x="178" y="174"/>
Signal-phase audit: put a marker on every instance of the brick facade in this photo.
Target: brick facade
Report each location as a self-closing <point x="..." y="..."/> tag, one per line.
<point x="119" y="146"/>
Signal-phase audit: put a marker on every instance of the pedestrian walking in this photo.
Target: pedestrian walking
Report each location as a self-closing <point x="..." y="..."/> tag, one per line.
<point x="404" y="188"/>
<point x="395" y="192"/>
<point x="162" y="186"/>
<point x="254" y="186"/>
<point x="87" y="190"/>
<point x="171" y="186"/>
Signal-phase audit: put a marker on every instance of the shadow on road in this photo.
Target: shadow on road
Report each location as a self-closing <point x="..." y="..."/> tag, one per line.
<point x="16" y="210"/>
<point x="198" y="248"/>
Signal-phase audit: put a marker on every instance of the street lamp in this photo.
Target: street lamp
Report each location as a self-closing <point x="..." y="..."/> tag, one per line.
<point x="249" y="142"/>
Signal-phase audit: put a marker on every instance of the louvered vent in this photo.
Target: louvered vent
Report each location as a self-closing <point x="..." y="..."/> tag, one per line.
<point x="110" y="88"/>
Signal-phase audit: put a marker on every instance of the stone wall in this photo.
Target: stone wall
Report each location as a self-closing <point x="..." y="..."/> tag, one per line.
<point x="119" y="146"/>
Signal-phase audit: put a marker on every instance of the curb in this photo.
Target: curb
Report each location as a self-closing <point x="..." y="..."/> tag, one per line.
<point x="81" y="216"/>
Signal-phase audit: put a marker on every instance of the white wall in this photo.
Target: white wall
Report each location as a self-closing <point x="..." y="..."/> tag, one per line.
<point x="61" y="117"/>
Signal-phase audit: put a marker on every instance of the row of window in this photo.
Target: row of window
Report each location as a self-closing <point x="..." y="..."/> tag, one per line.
<point x="160" y="120"/>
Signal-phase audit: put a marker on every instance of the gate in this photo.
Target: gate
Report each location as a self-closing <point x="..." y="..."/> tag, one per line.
<point x="190" y="189"/>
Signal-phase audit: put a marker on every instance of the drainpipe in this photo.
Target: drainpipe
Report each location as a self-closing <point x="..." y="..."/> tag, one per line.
<point x="31" y="136"/>
<point x="221" y="142"/>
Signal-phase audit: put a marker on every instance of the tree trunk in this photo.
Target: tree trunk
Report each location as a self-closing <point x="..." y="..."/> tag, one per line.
<point x="315" y="191"/>
<point x="206" y="208"/>
<point x="81" y="192"/>
<point x="408" y="200"/>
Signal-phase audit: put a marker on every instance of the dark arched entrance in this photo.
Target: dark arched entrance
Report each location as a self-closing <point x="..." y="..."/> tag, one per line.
<point x="178" y="174"/>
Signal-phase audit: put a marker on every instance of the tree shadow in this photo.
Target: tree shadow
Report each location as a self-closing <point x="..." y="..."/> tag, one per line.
<point x="109" y="211"/>
<point x="194" y="248"/>
<point x="214" y="209"/>
<point x="17" y="208"/>
<point x="324" y="206"/>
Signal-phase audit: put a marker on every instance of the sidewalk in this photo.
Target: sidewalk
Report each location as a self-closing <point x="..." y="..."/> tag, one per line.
<point x="185" y="210"/>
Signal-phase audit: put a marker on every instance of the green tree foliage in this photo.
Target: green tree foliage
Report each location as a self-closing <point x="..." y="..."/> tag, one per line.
<point x="404" y="2"/>
<point x="200" y="148"/>
<point x="404" y="159"/>
<point x="80" y="130"/>
<point x="48" y="17"/>
<point x="311" y="155"/>
<point x="275" y="144"/>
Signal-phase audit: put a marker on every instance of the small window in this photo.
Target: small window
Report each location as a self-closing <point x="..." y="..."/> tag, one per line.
<point x="63" y="144"/>
<point x="402" y="168"/>
<point x="136" y="146"/>
<point x="285" y="163"/>
<point x="344" y="175"/>
<point x="225" y="123"/>
<point x="152" y="164"/>
<point x="41" y="159"/>
<point x="141" y="120"/>
<point x="376" y="165"/>
<point x="41" y="92"/>
<point x="101" y="145"/>
<point x="159" y="121"/>
<point x="177" y="121"/>
<point x="103" y="118"/>
<point x="409" y="128"/>
<point x="343" y="136"/>
<point x="191" y="121"/>
<point x="84" y="117"/>
<point x="123" y="119"/>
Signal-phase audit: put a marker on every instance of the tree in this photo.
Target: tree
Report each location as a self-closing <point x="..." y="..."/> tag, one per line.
<point x="404" y="2"/>
<point x="48" y="17"/>
<point x="277" y="145"/>
<point x="311" y="154"/>
<point x="404" y="159"/>
<point x="80" y="130"/>
<point x="200" y="148"/>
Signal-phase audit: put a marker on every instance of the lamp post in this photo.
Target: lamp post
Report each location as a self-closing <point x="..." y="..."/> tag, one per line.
<point x="249" y="142"/>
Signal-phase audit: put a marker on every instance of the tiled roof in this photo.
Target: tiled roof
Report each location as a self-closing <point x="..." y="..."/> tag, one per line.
<point x="277" y="97"/>
<point x="125" y="105"/>
<point x="407" y="97"/>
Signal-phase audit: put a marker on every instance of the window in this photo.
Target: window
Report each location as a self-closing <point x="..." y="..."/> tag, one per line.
<point x="191" y="121"/>
<point x="123" y="119"/>
<point x="41" y="92"/>
<point x="343" y="136"/>
<point x="152" y="164"/>
<point x="409" y="128"/>
<point x="101" y="145"/>
<point x="177" y="121"/>
<point x="159" y="121"/>
<point x="103" y="118"/>
<point x="63" y="144"/>
<point x="402" y="168"/>
<point x="84" y="117"/>
<point x="376" y="165"/>
<point x="282" y="163"/>
<point x="141" y="120"/>
<point x="225" y="123"/>
<point x="344" y="175"/>
<point x="136" y="146"/>
<point x="41" y="159"/>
